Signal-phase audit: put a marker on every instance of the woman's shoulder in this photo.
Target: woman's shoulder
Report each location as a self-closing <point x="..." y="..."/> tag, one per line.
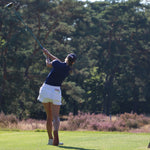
<point x="58" y="63"/>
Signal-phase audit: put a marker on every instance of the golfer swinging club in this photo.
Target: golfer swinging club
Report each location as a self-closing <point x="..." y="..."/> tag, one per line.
<point x="50" y="92"/>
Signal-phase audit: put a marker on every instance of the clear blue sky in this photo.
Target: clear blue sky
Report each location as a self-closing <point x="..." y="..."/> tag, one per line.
<point x="90" y="0"/>
<point x="143" y="1"/>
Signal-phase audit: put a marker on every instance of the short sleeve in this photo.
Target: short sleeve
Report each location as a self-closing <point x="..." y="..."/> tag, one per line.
<point x="55" y="63"/>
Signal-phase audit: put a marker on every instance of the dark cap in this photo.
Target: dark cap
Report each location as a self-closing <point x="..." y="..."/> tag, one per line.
<point x="72" y="57"/>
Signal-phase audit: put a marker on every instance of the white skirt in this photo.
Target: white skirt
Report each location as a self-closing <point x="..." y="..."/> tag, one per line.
<point x="48" y="93"/>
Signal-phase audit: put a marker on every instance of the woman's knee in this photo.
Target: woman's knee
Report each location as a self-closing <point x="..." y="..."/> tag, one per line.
<point x="49" y="118"/>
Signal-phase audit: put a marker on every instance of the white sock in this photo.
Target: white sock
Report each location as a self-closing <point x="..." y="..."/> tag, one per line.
<point x="50" y="142"/>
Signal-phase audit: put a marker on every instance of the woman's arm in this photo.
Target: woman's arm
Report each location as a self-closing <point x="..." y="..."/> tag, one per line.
<point x="49" y="55"/>
<point x="48" y="63"/>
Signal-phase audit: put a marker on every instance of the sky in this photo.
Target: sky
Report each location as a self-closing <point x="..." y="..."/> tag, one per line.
<point x="90" y="0"/>
<point x="144" y="1"/>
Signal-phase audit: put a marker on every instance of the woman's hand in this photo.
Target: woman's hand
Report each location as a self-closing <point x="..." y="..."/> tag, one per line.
<point x="48" y="63"/>
<point x="49" y="55"/>
<point x="46" y="52"/>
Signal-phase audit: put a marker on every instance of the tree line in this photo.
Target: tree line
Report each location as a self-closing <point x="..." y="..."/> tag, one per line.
<point x="112" y="42"/>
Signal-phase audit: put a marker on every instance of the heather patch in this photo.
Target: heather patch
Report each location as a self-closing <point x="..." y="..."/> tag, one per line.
<point x="8" y="121"/>
<point x="101" y="122"/>
<point x="130" y="122"/>
<point x="11" y="122"/>
<point x="31" y="124"/>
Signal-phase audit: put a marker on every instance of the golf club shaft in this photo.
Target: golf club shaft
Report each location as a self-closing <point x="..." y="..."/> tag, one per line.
<point x="9" y="5"/>
<point x="28" y="29"/>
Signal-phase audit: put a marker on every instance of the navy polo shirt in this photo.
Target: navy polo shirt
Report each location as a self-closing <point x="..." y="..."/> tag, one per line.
<point x="58" y="73"/>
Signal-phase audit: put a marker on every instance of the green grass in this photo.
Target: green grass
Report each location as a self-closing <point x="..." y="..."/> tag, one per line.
<point x="75" y="140"/>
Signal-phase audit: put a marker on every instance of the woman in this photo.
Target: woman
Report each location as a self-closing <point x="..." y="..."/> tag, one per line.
<point x="50" y="92"/>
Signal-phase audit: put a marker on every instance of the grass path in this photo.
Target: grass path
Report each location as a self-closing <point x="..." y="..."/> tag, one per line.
<point x="75" y="140"/>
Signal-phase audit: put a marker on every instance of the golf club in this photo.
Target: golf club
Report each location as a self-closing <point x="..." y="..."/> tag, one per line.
<point x="11" y="5"/>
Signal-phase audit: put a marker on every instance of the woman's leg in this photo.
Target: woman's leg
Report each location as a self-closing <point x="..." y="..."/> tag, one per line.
<point x="56" y="123"/>
<point x="48" y="109"/>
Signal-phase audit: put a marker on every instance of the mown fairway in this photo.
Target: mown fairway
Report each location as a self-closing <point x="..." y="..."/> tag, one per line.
<point x="75" y="140"/>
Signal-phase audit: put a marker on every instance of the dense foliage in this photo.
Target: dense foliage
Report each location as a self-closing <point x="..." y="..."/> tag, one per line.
<point x="110" y="38"/>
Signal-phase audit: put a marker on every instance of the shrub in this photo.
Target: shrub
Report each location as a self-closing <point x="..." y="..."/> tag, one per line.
<point x="8" y="121"/>
<point x="32" y="124"/>
<point x="132" y="120"/>
<point x="11" y="122"/>
<point x="101" y="122"/>
<point x="83" y="121"/>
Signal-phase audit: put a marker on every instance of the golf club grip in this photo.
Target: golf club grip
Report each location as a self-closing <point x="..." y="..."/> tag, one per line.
<point x="41" y="46"/>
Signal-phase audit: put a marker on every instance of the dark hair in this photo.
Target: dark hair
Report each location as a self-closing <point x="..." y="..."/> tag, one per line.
<point x="71" y="58"/>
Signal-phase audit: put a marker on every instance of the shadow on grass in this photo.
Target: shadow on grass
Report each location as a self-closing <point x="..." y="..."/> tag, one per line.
<point x="75" y="148"/>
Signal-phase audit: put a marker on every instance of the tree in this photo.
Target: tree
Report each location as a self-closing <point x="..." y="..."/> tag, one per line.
<point x="110" y="38"/>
